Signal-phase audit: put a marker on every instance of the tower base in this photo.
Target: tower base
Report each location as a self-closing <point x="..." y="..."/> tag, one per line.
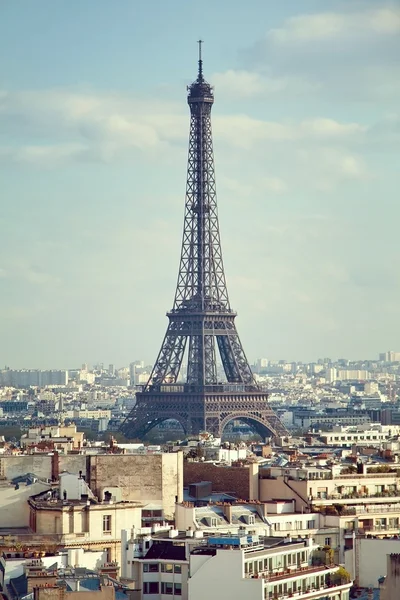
<point x="200" y="411"/>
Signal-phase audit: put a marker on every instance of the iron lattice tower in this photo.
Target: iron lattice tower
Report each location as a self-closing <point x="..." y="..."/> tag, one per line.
<point x="201" y="318"/>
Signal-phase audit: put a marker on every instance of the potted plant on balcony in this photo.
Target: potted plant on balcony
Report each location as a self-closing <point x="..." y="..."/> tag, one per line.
<point x="329" y="554"/>
<point x="18" y="548"/>
<point x="341" y="576"/>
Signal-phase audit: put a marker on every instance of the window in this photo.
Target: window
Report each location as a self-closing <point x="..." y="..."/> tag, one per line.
<point x="167" y="568"/>
<point x="310" y="524"/>
<point x="150" y="587"/>
<point x="178" y="589"/>
<point x="106" y="523"/>
<point x="327" y="541"/>
<point x="167" y="588"/>
<point x="150" y="567"/>
<point x="177" y="568"/>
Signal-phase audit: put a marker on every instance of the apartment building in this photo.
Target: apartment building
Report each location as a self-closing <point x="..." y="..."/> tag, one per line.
<point x="229" y="566"/>
<point x="268" y="569"/>
<point x="64" y="437"/>
<point x="361" y="436"/>
<point x="73" y="517"/>
<point x="348" y="504"/>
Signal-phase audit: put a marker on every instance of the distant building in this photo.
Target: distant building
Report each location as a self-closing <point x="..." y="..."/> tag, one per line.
<point x="390" y="356"/>
<point x="10" y="406"/>
<point x="25" y="378"/>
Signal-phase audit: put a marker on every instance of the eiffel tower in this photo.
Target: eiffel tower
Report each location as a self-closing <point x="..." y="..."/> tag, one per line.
<point x="201" y="319"/>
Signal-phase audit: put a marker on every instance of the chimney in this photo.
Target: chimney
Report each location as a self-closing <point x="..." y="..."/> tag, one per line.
<point x="227" y="510"/>
<point x="262" y="510"/>
<point x="55" y="466"/>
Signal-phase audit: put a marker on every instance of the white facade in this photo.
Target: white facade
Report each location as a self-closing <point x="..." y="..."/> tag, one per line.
<point x="367" y="562"/>
<point x="226" y="567"/>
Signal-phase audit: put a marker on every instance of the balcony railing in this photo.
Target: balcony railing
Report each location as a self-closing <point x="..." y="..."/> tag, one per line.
<point x="309" y="593"/>
<point x="388" y="529"/>
<point x="362" y="510"/>
<point x="289" y="573"/>
<point x="366" y="476"/>
<point x="358" y="496"/>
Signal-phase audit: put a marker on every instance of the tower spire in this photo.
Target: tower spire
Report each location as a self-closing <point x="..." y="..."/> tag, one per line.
<point x="200" y="75"/>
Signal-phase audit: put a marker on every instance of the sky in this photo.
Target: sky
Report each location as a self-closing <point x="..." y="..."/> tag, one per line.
<point x="93" y="150"/>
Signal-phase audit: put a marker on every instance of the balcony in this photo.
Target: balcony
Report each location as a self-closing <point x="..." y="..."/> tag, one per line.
<point x="366" y="476"/>
<point x="357" y="510"/>
<point x="292" y="573"/>
<point x="356" y="497"/>
<point x="327" y="590"/>
<point x="378" y="529"/>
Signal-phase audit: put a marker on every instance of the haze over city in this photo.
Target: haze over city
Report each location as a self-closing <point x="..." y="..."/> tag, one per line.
<point x="93" y="154"/>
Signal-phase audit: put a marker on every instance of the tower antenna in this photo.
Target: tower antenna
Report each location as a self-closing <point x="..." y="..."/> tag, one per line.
<point x="200" y="77"/>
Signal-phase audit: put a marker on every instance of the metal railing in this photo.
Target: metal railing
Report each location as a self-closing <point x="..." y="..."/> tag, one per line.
<point x="288" y="572"/>
<point x="358" y="495"/>
<point x="308" y="592"/>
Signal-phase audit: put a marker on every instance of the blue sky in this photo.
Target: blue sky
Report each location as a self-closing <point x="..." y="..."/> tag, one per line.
<point x="93" y="150"/>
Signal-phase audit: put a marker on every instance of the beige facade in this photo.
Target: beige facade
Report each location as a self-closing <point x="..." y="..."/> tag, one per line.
<point x="54" y="592"/>
<point x="14" y="509"/>
<point x="391" y="586"/>
<point x="155" y="479"/>
<point x="53" y="433"/>
<point x="88" y="525"/>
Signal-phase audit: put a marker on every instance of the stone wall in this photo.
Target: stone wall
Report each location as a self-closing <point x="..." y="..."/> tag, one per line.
<point x="148" y="478"/>
<point x="234" y="480"/>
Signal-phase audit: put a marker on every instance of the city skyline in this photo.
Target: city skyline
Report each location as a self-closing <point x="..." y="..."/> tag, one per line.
<point x="305" y="139"/>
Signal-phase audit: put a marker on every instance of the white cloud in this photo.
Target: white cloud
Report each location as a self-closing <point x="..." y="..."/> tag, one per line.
<point x="244" y="131"/>
<point x="348" y="55"/>
<point x="246" y="83"/>
<point x="100" y="127"/>
<point x="333" y="25"/>
<point x="250" y="84"/>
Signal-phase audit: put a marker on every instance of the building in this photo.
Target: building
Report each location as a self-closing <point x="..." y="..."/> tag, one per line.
<point x="391" y="587"/>
<point x="14" y="406"/>
<point x="270" y="569"/>
<point x="390" y="356"/>
<point x="25" y="378"/>
<point x="74" y="517"/>
<point x="367" y="560"/>
<point x="62" y="437"/>
<point x="150" y="479"/>
<point x="14" y="495"/>
<point x="366" y="435"/>
<point x="41" y="579"/>
<point x="190" y="565"/>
